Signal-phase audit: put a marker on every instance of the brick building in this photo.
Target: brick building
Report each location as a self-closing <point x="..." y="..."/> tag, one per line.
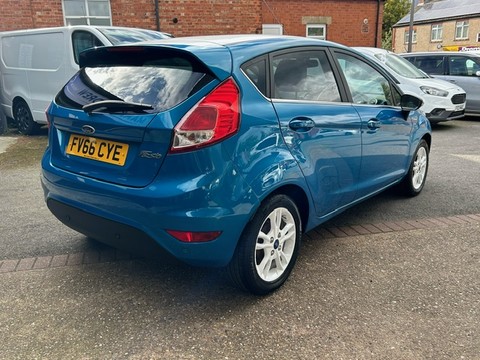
<point x="351" y="22"/>
<point x="440" y="25"/>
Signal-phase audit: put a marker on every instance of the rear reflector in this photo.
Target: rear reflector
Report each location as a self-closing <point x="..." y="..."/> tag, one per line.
<point x="192" y="237"/>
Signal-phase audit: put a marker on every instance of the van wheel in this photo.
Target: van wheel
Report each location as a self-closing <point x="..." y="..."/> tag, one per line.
<point x="24" y="119"/>
<point x="268" y="247"/>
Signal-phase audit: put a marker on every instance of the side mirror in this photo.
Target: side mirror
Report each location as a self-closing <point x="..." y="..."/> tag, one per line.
<point x="477" y="74"/>
<point x="410" y="102"/>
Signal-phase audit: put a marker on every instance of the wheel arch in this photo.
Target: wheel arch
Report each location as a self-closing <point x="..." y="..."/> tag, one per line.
<point x="428" y="139"/>
<point x="298" y="196"/>
<point x="26" y="124"/>
<point x="18" y="99"/>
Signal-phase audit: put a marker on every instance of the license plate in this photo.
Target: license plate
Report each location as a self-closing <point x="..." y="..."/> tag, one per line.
<point x="459" y="107"/>
<point x="111" y="152"/>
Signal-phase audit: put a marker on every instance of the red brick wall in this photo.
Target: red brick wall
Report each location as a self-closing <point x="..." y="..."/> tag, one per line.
<point x="133" y="13"/>
<point x="193" y="17"/>
<point x="15" y="14"/>
<point x="208" y="17"/>
<point x="27" y="14"/>
<point x="347" y="17"/>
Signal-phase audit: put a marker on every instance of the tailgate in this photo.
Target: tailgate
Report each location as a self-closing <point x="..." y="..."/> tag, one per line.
<point x="113" y="121"/>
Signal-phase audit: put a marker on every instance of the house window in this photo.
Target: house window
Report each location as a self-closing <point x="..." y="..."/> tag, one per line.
<point x="461" y="30"/>
<point x="87" y="12"/>
<point x="317" y="31"/>
<point x="437" y="33"/>
<point x="407" y="36"/>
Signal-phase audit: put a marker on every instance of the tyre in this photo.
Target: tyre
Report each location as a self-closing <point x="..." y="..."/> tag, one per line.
<point x="24" y="119"/>
<point x="3" y="123"/>
<point x="412" y="184"/>
<point x="268" y="247"/>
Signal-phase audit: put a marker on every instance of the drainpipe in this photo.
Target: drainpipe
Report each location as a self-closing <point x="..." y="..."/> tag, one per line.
<point x="157" y="14"/>
<point x="377" y="23"/>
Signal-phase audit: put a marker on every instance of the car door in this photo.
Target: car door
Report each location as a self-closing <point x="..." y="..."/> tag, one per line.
<point x="321" y="131"/>
<point x="462" y="71"/>
<point x="385" y="128"/>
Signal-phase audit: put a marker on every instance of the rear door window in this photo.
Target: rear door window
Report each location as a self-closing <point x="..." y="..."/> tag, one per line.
<point x="304" y="75"/>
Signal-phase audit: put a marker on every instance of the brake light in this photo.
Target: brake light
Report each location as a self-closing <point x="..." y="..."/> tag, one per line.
<point x="215" y="118"/>
<point x="194" y="236"/>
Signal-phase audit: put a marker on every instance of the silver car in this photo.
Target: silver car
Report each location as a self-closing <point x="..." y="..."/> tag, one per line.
<point x="460" y="68"/>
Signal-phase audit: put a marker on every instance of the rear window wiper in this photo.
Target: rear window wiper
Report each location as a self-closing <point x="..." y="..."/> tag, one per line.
<point x="115" y="105"/>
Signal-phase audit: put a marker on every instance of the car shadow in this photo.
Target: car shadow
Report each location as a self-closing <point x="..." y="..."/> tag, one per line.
<point x="13" y="131"/>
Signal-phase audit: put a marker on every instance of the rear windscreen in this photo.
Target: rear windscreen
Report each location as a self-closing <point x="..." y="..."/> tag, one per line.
<point x="161" y="80"/>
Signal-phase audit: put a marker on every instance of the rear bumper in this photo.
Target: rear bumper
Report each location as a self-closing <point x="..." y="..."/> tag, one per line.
<point x="136" y="219"/>
<point x="110" y="232"/>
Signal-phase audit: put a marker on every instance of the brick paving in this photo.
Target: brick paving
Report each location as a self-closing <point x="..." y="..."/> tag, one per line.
<point x="112" y="255"/>
<point x="45" y="262"/>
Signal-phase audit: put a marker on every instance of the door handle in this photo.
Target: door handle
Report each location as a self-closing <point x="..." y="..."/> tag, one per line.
<point x="301" y="124"/>
<point x="374" y="124"/>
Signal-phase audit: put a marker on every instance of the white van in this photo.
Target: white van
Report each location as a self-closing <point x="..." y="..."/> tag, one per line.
<point x="35" y="64"/>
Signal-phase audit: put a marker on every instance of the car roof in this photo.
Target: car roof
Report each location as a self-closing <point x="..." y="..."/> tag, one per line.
<point x="221" y="53"/>
<point x="257" y="43"/>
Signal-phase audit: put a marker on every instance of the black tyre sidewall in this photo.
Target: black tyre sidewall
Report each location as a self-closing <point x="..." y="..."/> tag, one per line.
<point x="243" y="263"/>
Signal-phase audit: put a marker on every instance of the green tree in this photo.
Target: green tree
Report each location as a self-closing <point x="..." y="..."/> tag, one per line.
<point x="393" y="11"/>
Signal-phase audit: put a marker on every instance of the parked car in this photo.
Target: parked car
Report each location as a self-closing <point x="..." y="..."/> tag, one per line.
<point x="36" y="63"/>
<point x="223" y="150"/>
<point x="460" y="68"/>
<point x="442" y="100"/>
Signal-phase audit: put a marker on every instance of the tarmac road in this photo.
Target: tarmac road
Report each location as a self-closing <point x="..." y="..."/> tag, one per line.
<point x="403" y="285"/>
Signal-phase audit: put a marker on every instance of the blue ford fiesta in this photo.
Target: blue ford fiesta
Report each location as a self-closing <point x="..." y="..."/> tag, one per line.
<point x="222" y="150"/>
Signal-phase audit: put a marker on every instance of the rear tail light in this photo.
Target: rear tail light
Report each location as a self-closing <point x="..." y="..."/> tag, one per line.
<point x="213" y="119"/>
<point x="47" y="116"/>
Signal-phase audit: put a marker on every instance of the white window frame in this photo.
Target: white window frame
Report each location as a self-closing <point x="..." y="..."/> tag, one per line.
<point x="272" y="29"/>
<point x="316" y="26"/>
<point x="436" y="33"/>
<point x="461" y="30"/>
<point x="90" y="19"/>
<point x="407" y="36"/>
